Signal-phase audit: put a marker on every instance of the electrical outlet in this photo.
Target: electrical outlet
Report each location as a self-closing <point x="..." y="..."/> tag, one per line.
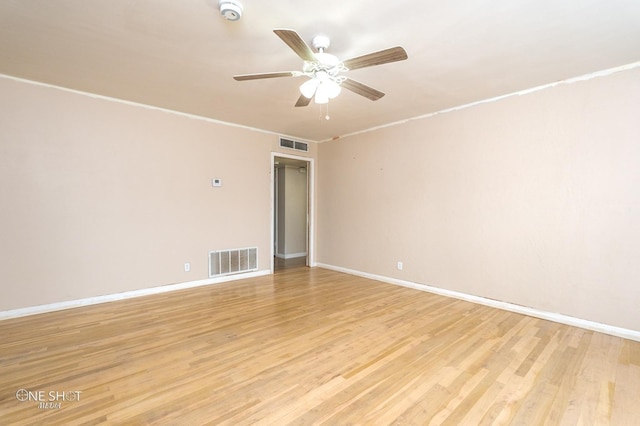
<point x="187" y="267"/>
<point x="399" y="266"/>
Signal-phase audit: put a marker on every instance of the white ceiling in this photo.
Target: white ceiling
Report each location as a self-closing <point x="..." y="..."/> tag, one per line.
<point x="181" y="55"/>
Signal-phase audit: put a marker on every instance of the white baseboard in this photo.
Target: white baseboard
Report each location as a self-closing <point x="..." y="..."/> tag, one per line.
<point x="32" y="310"/>
<point x="290" y="256"/>
<point x="551" y="316"/>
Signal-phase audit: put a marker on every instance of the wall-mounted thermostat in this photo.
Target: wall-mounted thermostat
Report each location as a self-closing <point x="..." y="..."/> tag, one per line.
<point x="216" y="182"/>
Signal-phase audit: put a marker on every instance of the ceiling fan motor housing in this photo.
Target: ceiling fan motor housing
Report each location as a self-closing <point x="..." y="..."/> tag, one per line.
<point x="321" y="42"/>
<point x="231" y="10"/>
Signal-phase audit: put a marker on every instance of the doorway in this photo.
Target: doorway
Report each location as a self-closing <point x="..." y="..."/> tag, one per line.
<point x="292" y="211"/>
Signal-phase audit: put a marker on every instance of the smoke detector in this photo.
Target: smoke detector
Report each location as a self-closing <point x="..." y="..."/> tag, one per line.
<point x="230" y="9"/>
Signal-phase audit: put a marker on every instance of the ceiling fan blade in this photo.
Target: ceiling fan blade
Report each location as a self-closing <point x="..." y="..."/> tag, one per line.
<point x="244" y="77"/>
<point x="296" y="43"/>
<point x="362" y="89"/>
<point x="385" y="56"/>
<point x="303" y="101"/>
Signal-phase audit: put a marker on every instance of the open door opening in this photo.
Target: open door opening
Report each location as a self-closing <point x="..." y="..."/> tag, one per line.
<point x="291" y="207"/>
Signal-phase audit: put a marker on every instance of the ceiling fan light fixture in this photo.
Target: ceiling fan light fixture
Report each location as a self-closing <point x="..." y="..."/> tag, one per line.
<point x="308" y="88"/>
<point x="324" y="70"/>
<point x="331" y="88"/>
<point x="321" y="96"/>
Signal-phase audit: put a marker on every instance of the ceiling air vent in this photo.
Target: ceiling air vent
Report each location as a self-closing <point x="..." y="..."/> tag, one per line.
<point x="299" y="146"/>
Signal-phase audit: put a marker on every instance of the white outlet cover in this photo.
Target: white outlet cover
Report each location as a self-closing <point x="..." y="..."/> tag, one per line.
<point x="216" y="182"/>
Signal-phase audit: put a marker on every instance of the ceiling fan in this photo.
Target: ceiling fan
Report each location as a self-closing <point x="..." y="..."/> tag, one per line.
<point x="324" y="70"/>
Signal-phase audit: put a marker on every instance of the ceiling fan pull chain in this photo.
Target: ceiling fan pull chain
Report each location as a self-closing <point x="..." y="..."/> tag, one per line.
<point x="326" y="114"/>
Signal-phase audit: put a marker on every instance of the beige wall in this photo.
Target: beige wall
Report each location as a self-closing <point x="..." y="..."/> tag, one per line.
<point x="532" y="199"/>
<point x="100" y="197"/>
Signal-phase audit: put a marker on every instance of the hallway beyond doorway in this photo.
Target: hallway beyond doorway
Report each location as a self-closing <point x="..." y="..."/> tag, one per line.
<point x="279" y="264"/>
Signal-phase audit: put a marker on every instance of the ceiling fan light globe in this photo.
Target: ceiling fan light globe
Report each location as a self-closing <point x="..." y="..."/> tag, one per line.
<point x="331" y="88"/>
<point x="322" y="96"/>
<point x="308" y="88"/>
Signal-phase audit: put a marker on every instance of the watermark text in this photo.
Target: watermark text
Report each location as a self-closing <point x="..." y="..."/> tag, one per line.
<point x="48" y="400"/>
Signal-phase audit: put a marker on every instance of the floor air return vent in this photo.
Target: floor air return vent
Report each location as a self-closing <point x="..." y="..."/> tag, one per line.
<point x="227" y="262"/>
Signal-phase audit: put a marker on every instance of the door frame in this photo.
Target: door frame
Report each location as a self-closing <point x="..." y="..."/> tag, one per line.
<point x="311" y="261"/>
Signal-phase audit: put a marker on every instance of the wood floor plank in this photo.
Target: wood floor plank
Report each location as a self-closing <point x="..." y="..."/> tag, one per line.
<point x="311" y="346"/>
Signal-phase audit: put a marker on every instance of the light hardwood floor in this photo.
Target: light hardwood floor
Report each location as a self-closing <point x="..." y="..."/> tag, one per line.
<point x="309" y="346"/>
